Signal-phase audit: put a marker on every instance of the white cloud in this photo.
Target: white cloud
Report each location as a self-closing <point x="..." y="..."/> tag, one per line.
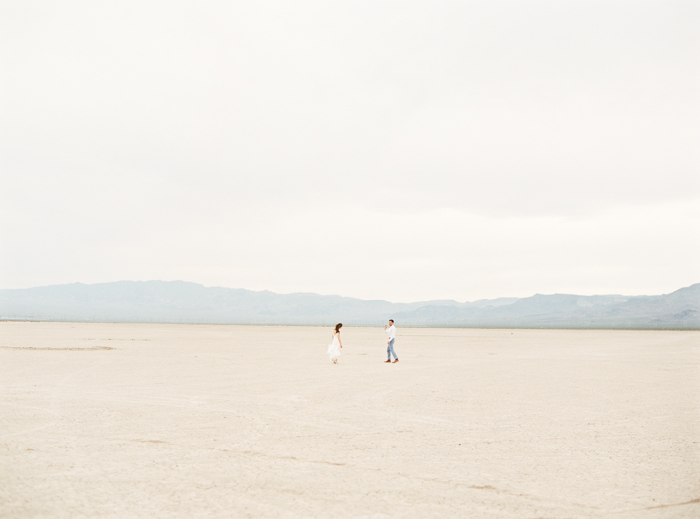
<point x="512" y="147"/>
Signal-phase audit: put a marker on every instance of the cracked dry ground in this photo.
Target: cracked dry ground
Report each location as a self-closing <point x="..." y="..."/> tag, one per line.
<point x="129" y="420"/>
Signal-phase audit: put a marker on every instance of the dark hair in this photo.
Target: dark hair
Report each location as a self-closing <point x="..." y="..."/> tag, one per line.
<point x="391" y="320"/>
<point x="338" y="327"/>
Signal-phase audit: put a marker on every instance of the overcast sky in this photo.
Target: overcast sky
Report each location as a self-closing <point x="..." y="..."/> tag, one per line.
<point x="393" y="150"/>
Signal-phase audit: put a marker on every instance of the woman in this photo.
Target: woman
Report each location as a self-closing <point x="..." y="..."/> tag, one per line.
<point x="335" y="345"/>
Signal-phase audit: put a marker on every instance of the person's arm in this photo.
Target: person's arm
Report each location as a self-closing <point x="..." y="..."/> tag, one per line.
<point x="339" y="341"/>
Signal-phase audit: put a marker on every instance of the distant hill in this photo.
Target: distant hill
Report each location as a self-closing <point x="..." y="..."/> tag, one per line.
<point x="183" y="302"/>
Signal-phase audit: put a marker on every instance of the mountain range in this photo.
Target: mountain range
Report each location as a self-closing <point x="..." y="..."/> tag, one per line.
<point x="185" y="302"/>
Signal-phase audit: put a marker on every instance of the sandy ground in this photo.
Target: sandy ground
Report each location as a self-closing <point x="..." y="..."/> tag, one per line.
<point x="127" y="420"/>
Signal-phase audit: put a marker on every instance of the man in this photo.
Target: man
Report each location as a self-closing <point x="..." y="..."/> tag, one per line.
<point x="391" y="332"/>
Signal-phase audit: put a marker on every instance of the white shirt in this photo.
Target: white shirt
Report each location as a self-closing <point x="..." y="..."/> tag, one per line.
<point x="391" y="332"/>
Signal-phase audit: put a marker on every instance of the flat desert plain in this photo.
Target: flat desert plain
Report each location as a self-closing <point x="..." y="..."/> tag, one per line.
<point x="151" y="420"/>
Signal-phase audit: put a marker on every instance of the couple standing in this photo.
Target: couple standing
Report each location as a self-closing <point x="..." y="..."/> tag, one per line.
<point x="335" y="345"/>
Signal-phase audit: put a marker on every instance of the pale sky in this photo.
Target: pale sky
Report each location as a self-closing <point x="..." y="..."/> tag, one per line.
<point x="391" y="150"/>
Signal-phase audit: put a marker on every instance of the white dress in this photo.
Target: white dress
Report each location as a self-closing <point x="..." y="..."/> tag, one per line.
<point x="334" y="348"/>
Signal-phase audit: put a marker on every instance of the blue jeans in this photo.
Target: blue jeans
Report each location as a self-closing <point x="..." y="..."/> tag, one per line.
<point x="390" y="350"/>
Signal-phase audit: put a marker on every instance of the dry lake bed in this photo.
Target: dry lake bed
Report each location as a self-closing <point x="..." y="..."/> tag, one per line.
<point x="150" y="420"/>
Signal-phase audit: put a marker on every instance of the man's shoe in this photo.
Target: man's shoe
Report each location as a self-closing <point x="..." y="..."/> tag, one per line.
<point x="386" y="361"/>
<point x="396" y="360"/>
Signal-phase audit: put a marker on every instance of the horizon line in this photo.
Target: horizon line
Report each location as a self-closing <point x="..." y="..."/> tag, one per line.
<point x="342" y="296"/>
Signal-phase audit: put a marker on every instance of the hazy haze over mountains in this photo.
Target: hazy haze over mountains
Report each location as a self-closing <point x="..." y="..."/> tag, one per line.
<point x="184" y="302"/>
